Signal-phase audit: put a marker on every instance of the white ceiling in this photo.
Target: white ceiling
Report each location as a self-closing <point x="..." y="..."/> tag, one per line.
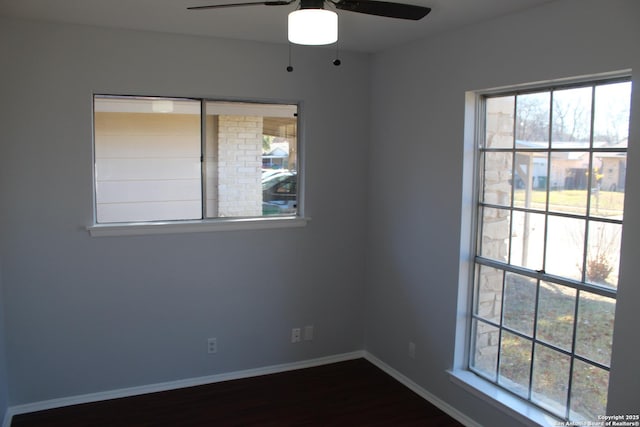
<point x="357" y="32"/>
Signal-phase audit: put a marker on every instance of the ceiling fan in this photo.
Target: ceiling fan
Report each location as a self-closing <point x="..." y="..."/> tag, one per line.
<point x="312" y="24"/>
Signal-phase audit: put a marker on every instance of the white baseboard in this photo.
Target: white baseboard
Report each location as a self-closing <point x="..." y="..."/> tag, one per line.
<point x="440" y="404"/>
<point x="173" y="385"/>
<point x="210" y="379"/>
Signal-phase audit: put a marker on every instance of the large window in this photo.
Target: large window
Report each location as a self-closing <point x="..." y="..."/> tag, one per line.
<point x="551" y="180"/>
<point x="168" y="159"/>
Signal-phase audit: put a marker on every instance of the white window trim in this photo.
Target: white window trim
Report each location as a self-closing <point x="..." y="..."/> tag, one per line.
<point x="508" y="403"/>
<point x="208" y="224"/>
<point x="502" y="400"/>
<point x="196" y="226"/>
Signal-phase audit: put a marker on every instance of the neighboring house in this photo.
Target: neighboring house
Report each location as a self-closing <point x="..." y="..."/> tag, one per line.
<point x="277" y="157"/>
<point x="569" y="171"/>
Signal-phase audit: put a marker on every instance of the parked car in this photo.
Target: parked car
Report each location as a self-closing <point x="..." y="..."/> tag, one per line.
<point x="266" y="173"/>
<point x="280" y="193"/>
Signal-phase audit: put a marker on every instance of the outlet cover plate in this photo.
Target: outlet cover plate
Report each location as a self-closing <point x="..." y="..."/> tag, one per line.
<point x="212" y="345"/>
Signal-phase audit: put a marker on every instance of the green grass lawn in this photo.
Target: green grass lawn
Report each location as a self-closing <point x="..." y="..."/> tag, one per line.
<point x="603" y="203"/>
<point x="555" y="324"/>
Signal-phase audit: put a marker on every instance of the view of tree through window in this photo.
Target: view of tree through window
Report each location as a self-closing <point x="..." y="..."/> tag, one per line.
<point x="552" y="168"/>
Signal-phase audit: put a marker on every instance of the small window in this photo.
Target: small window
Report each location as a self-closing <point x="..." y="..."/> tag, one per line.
<point x="552" y="165"/>
<point x="169" y="159"/>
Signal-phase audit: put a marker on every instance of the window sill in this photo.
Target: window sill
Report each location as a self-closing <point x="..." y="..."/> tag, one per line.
<point x="199" y="226"/>
<point x="519" y="409"/>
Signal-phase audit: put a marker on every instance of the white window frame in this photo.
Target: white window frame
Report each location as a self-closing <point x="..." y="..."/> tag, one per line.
<point x="461" y="374"/>
<point x="206" y="224"/>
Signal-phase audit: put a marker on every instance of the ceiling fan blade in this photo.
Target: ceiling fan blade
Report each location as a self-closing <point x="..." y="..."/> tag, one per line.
<point x="255" y="3"/>
<point x="383" y="8"/>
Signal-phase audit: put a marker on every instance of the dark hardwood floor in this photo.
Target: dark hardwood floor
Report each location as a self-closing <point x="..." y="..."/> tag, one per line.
<point x="352" y="393"/>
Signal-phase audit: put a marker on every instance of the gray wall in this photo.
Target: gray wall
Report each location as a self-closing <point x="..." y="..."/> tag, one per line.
<point x="4" y="390"/>
<point x="416" y="180"/>
<point x="90" y="314"/>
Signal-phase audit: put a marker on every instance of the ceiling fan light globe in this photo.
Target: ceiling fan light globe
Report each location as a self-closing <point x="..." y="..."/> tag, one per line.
<point x="313" y="26"/>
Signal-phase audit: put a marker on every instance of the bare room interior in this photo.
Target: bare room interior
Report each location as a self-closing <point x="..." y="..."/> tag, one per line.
<point x="385" y="242"/>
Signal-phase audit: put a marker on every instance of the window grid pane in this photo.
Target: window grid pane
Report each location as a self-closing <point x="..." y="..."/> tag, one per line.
<point x="177" y="159"/>
<point x="550" y="381"/>
<point x="549" y="230"/>
<point x="147" y="159"/>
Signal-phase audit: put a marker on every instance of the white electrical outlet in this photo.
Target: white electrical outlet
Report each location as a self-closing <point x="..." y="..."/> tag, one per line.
<point x="295" y="335"/>
<point x="212" y="345"/>
<point x="308" y="333"/>
<point x="412" y="350"/>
